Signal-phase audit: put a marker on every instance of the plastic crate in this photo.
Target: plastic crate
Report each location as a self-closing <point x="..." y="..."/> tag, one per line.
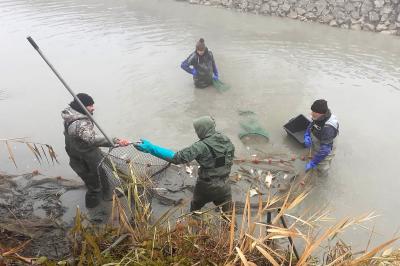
<point x="296" y="127"/>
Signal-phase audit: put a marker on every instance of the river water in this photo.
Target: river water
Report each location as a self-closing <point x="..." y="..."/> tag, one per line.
<point x="127" y="55"/>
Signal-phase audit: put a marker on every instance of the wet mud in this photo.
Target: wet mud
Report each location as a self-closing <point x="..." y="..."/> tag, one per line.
<point x="31" y="211"/>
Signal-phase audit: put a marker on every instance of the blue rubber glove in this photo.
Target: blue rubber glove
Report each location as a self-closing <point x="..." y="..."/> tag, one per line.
<point x="324" y="151"/>
<point x="307" y="140"/>
<point x="307" y="137"/>
<point x="310" y="165"/>
<point x="194" y="72"/>
<point x="144" y="146"/>
<point x="160" y="152"/>
<point x="215" y="77"/>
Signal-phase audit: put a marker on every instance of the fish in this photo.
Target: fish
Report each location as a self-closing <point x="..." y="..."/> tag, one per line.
<point x="189" y="170"/>
<point x="253" y="192"/>
<point x="160" y="189"/>
<point x="268" y="179"/>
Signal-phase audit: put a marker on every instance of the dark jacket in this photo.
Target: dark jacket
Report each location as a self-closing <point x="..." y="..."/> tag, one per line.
<point x="325" y="129"/>
<point x="205" y="67"/>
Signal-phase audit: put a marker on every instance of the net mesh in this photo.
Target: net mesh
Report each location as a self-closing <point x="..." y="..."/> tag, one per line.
<point x="265" y="173"/>
<point x="220" y="86"/>
<point x="119" y="163"/>
<point x="250" y="126"/>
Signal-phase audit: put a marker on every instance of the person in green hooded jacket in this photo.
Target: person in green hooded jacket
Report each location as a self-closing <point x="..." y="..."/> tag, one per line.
<point x="214" y="152"/>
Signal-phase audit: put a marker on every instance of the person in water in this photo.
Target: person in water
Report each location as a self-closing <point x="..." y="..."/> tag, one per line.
<point x="201" y="65"/>
<point x="320" y="136"/>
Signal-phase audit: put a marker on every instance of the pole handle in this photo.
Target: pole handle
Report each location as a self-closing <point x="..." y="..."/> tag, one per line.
<point x="32" y="42"/>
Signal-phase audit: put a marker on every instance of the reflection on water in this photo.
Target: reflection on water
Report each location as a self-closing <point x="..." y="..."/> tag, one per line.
<point x="3" y="95"/>
<point x="127" y="55"/>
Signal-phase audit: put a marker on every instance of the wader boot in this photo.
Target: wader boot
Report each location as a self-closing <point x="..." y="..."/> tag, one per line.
<point x="217" y="191"/>
<point x="324" y="166"/>
<point x="86" y="165"/>
<point x="202" y="81"/>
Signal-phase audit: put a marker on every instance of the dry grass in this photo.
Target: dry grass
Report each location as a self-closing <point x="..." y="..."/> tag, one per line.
<point x="40" y="151"/>
<point x="133" y="237"/>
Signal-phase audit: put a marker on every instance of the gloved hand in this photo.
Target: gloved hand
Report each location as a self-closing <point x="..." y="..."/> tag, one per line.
<point x="144" y="146"/>
<point x="310" y="165"/>
<point x="194" y="72"/>
<point x="307" y="139"/>
<point x="160" y="152"/>
<point x="215" y="77"/>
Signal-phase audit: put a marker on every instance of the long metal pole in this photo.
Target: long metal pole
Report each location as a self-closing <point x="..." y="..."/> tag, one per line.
<point x="33" y="43"/>
<point x="290" y="238"/>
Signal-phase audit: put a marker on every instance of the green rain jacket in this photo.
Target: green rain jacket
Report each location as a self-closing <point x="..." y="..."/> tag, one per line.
<point x="214" y="151"/>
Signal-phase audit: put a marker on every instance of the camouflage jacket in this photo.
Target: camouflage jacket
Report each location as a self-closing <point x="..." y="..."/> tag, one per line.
<point x="79" y="132"/>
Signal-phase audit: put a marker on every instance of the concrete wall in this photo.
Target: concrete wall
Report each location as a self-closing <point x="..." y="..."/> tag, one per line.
<point x="369" y="15"/>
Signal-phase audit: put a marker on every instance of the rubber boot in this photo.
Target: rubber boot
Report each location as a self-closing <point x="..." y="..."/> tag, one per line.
<point x="92" y="199"/>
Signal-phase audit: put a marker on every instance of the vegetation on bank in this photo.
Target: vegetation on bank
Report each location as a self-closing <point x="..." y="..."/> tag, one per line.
<point x="133" y="237"/>
<point x="246" y="236"/>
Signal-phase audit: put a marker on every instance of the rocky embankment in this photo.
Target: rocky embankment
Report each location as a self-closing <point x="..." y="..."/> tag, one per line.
<point x="368" y="15"/>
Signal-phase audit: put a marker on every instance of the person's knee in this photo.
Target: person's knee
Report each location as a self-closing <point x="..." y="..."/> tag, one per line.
<point x="92" y="181"/>
<point x="323" y="170"/>
<point x="79" y="168"/>
<point x="323" y="173"/>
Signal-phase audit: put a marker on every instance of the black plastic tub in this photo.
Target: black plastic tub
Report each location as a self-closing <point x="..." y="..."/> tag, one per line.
<point x="296" y="127"/>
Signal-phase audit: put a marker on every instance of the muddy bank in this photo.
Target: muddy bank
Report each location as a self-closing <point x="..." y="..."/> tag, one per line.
<point x="31" y="211"/>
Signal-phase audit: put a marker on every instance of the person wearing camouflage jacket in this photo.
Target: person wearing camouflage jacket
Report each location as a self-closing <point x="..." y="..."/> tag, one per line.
<point x="214" y="152"/>
<point x="82" y="146"/>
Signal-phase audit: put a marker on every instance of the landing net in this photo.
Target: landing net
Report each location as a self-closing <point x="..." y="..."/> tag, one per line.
<point x="120" y="163"/>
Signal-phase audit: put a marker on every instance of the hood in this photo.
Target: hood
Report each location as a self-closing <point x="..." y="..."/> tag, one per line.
<point x="70" y="115"/>
<point x="204" y="126"/>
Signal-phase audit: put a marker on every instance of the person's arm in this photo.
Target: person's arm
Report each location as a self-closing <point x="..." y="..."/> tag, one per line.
<point x="186" y="65"/>
<point x="84" y="130"/>
<point x="188" y="154"/>
<point x="327" y="135"/>
<point x="214" y="66"/>
<point x="307" y="136"/>
<point x="324" y="151"/>
<point x="183" y="156"/>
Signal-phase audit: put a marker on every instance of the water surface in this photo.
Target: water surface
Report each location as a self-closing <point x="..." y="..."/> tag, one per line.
<point x="127" y="55"/>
